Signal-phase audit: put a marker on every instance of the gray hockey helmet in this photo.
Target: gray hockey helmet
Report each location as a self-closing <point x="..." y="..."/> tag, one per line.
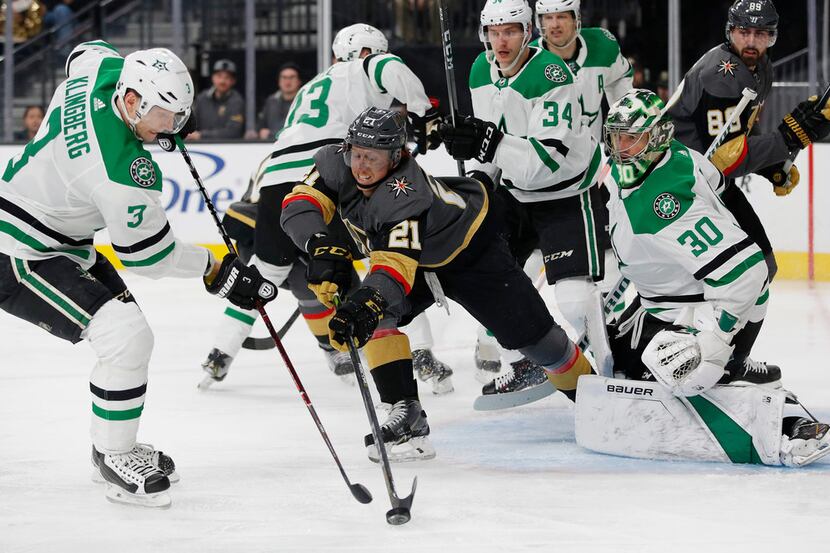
<point x="379" y="129"/>
<point x="753" y="14"/>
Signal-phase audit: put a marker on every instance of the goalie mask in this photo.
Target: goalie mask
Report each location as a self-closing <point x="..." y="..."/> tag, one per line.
<point x="350" y="41"/>
<point x="503" y="12"/>
<point x="636" y="133"/>
<point x="163" y="83"/>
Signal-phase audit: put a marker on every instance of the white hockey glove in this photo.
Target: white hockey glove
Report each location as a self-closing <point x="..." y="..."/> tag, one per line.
<point x="685" y="363"/>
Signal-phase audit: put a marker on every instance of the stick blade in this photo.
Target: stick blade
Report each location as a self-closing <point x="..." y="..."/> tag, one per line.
<point x="361" y="493"/>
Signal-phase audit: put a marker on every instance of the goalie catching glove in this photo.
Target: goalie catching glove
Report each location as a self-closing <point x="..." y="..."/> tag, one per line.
<point x="806" y="124"/>
<point x="471" y="138"/>
<point x="329" y="269"/>
<point x="687" y="364"/>
<point x="357" y="318"/>
<point x="242" y="285"/>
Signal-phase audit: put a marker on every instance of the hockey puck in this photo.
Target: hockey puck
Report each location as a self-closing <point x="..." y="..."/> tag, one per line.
<point x="398" y="516"/>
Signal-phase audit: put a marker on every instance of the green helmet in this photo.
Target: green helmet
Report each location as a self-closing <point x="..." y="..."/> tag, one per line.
<point x="637" y="115"/>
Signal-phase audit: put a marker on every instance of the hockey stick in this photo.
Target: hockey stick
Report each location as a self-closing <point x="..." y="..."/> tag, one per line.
<point x="266" y="342"/>
<point x="449" y="69"/>
<point x="399" y="513"/>
<point x="788" y="163"/>
<point x="359" y="491"/>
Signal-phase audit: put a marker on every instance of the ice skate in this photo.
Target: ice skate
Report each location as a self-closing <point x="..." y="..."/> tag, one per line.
<point x="340" y="364"/>
<point x="405" y="434"/>
<point x="132" y="479"/>
<point x="429" y="369"/>
<point x="810" y="441"/>
<point x="487" y="358"/>
<point x="524" y="383"/>
<point x="216" y="366"/>
<point x="157" y="458"/>
<point x="752" y="372"/>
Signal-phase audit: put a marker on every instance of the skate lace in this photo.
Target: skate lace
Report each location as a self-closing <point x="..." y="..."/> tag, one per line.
<point x="504" y="380"/>
<point x="137" y="464"/>
<point x="397" y="416"/>
<point x="750" y="365"/>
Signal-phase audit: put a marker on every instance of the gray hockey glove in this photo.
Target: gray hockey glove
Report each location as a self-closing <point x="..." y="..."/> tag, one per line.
<point x="471" y="138"/>
<point x="242" y="285"/>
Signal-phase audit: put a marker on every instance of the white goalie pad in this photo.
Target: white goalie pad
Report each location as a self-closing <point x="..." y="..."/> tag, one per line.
<point x="632" y="418"/>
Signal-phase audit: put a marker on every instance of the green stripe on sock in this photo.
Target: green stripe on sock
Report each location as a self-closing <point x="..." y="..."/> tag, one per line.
<point x="239" y="316"/>
<point x="125" y="415"/>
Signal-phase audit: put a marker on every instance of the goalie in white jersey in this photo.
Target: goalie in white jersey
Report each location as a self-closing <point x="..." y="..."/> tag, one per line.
<point x="86" y="170"/>
<point x="363" y="75"/>
<point x="684" y="251"/>
<point x="528" y="128"/>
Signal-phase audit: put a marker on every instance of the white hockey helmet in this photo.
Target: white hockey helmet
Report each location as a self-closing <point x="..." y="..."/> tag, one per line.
<point x="163" y="82"/>
<point x="558" y="6"/>
<point x="350" y="41"/>
<point x="501" y="12"/>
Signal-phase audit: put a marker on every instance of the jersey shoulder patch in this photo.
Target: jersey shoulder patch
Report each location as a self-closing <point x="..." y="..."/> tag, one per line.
<point x="666" y="194"/>
<point x="404" y="194"/>
<point x="603" y="48"/>
<point x="544" y="72"/>
<point x="122" y="155"/>
<point x="723" y="74"/>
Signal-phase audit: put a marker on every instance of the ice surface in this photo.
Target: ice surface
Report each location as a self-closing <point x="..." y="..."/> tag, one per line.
<point x="256" y="476"/>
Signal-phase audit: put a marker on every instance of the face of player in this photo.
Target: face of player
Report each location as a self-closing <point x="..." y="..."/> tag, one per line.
<point x="223" y="81"/>
<point x="506" y="41"/>
<point x="369" y="166"/>
<point x="157" y="120"/>
<point x="628" y="146"/>
<point x="559" y="28"/>
<point x="750" y="44"/>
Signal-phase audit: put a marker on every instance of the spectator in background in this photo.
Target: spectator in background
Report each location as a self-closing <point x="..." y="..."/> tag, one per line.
<point x="220" y="110"/>
<point x="663" y="86"/>
<point x="641" y="76"/>
<point x="273" y="114"/>
<point x="61" y="15"/>
<point x="32" y="118"/>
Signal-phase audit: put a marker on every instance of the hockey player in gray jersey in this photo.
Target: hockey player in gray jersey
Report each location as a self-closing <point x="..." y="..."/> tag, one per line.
<point x="425" y="237"/>
<point x="684" y="252"/>
<point x="87" y="170"/>
<point x="711" y="90"/>
<point x="364" y="74"/>
<point x="528" y="126"/>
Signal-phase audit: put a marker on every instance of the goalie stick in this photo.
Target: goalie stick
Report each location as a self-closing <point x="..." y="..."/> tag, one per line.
<point x="359" y="491"/>
<point x="507" y="400"/>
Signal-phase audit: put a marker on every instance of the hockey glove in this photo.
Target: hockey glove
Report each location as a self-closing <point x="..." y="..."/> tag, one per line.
<point x="167" y="141"/>
<point x="776" y="175"/>
<point x="806" y="124"/>
<point x="356" y="318"/>
<point x="471" y="138"/>
<point x="687" y="364"/>
<point x="242" y="285"/>
<point x="329" y="268"/>
<point x="425" y="130"/>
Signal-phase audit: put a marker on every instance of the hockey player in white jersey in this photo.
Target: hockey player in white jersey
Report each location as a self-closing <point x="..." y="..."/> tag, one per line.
<point x="364" y="74"/>
<point x="699" y="279"/>
<point x="528" y="125"/>
<point x="86" y="170"/>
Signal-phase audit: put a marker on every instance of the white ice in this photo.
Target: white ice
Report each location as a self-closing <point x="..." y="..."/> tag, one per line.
<point x="256" y="476"/>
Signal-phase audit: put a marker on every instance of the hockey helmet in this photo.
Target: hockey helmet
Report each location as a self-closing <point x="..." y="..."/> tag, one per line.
<point x="639" y="113"/>
<point x="501" y="12"/>
<point x="350" y="41"/>
<point x="558" y="6"/>
<point x="378" y="129"/>
<point x="754" y="14"/>
<point x="163" y="82"/>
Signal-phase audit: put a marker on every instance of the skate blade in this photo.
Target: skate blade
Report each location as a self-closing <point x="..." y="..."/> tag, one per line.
<point x="98" y="479"/>
<point x="416" y="449"/>
<point x="206" y="383"/>
<point x="495" y="402"/>
<point x="159" y="500"/>
<point x="822" y="451"/>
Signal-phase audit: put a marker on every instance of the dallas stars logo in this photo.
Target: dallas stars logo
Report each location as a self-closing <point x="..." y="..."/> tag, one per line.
<point x="398" y="186"/>
<point x="160" y="65"/>
<point x="727" y="66"/>
<point x="666" y="206"/>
